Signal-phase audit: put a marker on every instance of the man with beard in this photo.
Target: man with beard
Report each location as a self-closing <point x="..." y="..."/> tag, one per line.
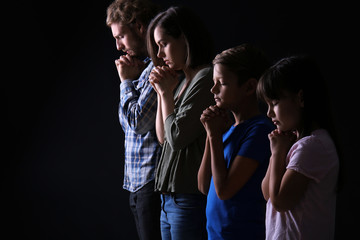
<point x="128" y="20"/>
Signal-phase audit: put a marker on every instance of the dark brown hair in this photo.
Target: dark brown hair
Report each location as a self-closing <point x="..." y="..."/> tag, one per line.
<point x="245" y="60"/>
<point x="292" y="74"/>
<point x="177" y="21"/>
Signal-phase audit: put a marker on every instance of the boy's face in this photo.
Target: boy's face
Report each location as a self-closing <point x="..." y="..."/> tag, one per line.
<point x="227" y="92"/>
<point x="286" y="112"/>
<point x="129" y="39"/>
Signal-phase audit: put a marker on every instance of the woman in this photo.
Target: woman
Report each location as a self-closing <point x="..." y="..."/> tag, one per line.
<point x="179" y="43"/>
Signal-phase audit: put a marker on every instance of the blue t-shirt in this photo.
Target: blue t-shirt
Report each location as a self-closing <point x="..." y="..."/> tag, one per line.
<point x="242" y="216"/>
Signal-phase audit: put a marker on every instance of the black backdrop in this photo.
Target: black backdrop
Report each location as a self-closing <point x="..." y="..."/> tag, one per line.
<point x="62" y="167"/>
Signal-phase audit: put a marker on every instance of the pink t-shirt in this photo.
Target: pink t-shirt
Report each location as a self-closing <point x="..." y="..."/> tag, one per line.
<point x="315" y="157"/>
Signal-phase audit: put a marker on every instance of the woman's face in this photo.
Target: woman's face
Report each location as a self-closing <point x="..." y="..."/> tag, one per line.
<point x="171" y="50"/>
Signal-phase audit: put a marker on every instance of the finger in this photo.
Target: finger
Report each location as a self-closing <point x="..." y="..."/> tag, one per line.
<point x="162" y="71"/>
<point x="124" y="60"/>
<point x="204" y="118"/>
<point x="153" y="84"/>
<point x="119" y="63"/>
<point x="153" y="78"/>
<point x="209" y="113"/>
<point x="155" y="75"/>
<point x="168" y="69"/>
<point x="156" y="71"/>
<point x="215" y="109"/>
<point x="272" y="133"/>
<point x="270" y="136"/>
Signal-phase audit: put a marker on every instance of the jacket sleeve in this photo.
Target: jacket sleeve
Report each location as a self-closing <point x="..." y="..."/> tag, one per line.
<point x="183" y="126"/>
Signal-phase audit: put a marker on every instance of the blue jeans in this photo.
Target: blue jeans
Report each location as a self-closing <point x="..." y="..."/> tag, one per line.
<point x="183" y="217"/>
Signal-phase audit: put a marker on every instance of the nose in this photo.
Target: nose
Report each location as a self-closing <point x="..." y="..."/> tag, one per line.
<point x="214" y="89"/>
<point x="270" y="112"/>
<point x="119" y="45"/>
<point x="160" y="53"/>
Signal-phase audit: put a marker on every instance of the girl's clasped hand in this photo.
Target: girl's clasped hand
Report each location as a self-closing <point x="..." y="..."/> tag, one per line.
<point x="280" y="141"/>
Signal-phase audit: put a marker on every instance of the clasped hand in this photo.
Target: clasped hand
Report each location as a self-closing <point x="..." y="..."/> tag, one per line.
<point x="129" y="67"/>
<point x="163" y="79"/>
<point x="215" y="120"/>
<point x="281" y="142"/>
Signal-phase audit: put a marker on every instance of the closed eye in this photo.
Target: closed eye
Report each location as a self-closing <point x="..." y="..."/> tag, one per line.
<point x="275" y="102"/>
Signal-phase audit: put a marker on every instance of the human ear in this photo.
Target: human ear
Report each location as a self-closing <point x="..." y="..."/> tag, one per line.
<point x="300" y="96"/>
<point x="140" y="28"/>
<point x="251" y="85"/>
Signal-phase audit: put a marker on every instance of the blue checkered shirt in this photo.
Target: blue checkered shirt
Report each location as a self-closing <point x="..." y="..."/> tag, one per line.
<point x="137" y="112"/>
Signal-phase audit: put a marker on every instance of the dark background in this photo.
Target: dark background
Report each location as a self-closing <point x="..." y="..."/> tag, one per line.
<point x="62" y="166"/>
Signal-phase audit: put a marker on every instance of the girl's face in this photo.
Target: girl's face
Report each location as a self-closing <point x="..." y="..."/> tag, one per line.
<point x="227" y="92"/>
<point x="286" y="112"/>
<point x="171" y="50"/>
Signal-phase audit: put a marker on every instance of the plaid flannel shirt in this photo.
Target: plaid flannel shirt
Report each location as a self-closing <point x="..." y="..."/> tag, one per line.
<point x="137" y="112"/>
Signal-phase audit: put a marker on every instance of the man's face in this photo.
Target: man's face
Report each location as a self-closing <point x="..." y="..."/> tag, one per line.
<point x="129" y="39"/>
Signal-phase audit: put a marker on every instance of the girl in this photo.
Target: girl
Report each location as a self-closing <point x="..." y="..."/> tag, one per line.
<point x="300" y="182"/>
<point x="235" y="158"/>
<point x="178" y="42"/>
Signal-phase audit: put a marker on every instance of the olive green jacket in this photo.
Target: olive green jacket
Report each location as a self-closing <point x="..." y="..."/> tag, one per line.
<point x="185" y="137"/>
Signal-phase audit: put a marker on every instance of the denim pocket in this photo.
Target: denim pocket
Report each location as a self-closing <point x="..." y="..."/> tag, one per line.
<point x="189" y="201"/>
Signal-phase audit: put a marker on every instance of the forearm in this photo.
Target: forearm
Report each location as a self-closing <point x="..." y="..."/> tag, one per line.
<point x="218" y="166"/>
<point x="167" y="105"/>
<point x="204" y="173"/>
<point x="159" y="121"/>
<point x="265" y="182"/>
<point x="277" y="172"/>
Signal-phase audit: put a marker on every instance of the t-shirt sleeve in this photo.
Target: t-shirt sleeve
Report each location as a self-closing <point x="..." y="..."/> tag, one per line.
<point x="310" y="158"/>
<point x="256" y="144"/>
